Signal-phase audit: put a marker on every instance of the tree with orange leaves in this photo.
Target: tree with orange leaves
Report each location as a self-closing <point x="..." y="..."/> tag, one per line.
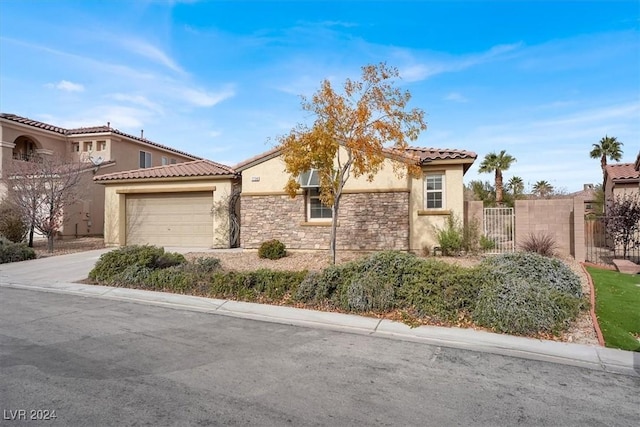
<point x="353" y="133"/>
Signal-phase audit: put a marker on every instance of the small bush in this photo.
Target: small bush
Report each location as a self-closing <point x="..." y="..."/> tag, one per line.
<point x="541" y="243"/>
<point x="450" y="237"/>
<point x="13" y="252"/>
<point x="272" y="249"/>
<point x="536" y="269"/>
<point x="12" y="225"/>
<point x="524" y="308"/>
<point x="486" y="244"/>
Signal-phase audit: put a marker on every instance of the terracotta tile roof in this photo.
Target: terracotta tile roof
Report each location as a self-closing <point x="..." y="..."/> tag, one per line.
<point x="34" y="123"/>
<point x="274" y="152"/>
<point x="622" y="172"/>
<point x="427" y="155"/>
<point x="422" y="155"/>
<point x="87" y="130"/>
<point x="196" y="168"/>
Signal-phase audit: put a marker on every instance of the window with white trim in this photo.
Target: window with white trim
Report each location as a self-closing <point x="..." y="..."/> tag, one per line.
<point x="145" y="159"/>
<point x="434" y="191"/>
<point x="165" y="161"/>
<point x="316" y="210"/>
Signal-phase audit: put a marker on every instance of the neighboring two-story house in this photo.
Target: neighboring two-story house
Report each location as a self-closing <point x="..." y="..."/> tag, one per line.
<point x="622" y="178"/>
<point x="105" y="148"/>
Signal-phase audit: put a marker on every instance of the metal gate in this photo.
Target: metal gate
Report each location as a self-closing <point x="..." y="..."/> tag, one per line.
<point x="499" y="230"/>
<point x="602" y="248"/>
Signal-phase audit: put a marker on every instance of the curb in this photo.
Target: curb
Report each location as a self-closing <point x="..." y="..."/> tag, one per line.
<point x="592" y="308"/>
<point x="580" y="355"/>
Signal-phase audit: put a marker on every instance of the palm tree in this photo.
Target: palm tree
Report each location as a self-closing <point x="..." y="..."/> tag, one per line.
<point x="608" y="147"/>
<point x="542" y="189"/>
<point x="497" y="163"/>
<point x="516" y="185"/>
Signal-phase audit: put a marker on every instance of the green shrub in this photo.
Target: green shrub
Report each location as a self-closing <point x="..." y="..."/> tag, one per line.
<point x="486" y="243"/>
<point x="320" y="287"/>
<point x="113" y="263"/>
<point x="12" y="225"/>
<point x="13" y="252"/>
<point x="370" y="291"/>
<point x="169" y="259"/>
<point x="521" y="307"/>
<point x="172" y="279"/>
<point x="536" y="269"/>
<point x="450" y="237"/>
<point x="261" y="285"/>
<point x="272" y="249"/>
<point x="443" y="291"/>
<point x="541" y="243"/>
<point x="204" y="265"/>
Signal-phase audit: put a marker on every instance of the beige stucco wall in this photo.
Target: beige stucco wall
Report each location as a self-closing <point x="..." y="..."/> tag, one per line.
<point x="269" y="178"/>
<point x="86" y="217"/>
<point x="424" y="223"/>
<point x="115" y="204"/>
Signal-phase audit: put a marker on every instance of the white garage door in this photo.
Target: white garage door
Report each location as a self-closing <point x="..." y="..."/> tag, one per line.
<point x="170" y="219"/>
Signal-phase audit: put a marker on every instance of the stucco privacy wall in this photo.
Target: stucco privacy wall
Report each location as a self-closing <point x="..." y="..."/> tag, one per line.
<point x="562" y="219"/>
<point x="115" y="205"/>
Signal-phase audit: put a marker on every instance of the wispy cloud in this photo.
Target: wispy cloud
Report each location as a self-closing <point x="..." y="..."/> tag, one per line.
<point x="151" y="52"/>
<point x="429" y="67"/>
<point x="66" y="86"/>
<point x="136" y="99"/>
<point x="455" y="97"/>
<point x="203" y="98"/>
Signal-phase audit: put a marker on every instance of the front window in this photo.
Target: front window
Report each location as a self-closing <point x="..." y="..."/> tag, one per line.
<point x="88" y="146"/>
<point x="145" y="159"/>
<point x="165" y="161"/>
<point x="315" y="208"/>
<point x="434" y="191"/>
<point x="102" y="145"/>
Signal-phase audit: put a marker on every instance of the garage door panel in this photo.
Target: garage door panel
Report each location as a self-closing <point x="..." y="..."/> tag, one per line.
<point x="170" y="219"/>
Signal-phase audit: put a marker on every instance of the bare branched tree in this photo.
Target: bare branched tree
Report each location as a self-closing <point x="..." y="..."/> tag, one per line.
<point x="42" y="190"/>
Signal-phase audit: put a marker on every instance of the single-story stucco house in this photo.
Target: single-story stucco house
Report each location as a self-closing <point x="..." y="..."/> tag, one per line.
<point x="192" y="204"/>
<point x="389" y="212"/>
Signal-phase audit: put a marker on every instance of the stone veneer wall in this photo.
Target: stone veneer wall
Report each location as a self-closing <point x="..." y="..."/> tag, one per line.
<point x="366" y="221"/>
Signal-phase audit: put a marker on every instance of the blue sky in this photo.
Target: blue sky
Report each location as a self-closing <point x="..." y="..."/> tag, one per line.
<point x="222" y="79"/>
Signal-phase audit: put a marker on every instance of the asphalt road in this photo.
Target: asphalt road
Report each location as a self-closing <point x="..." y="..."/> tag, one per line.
<point x="101" y="362"/>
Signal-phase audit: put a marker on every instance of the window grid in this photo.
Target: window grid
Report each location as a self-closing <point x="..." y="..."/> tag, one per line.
<point x="434" y="191"/>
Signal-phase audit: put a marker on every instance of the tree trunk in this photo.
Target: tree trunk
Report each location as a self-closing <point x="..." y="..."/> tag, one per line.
<point x="498" y="187"/>
<point x="31" y="235"/>
<point x="50" y="243"/>
<point x="334" y="230"/>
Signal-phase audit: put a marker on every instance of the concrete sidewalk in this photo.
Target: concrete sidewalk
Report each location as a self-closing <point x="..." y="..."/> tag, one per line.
<point x="58" y="274"/>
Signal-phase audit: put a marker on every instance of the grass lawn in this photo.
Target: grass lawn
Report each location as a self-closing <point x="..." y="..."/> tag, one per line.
<point x="618" y="307"/>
